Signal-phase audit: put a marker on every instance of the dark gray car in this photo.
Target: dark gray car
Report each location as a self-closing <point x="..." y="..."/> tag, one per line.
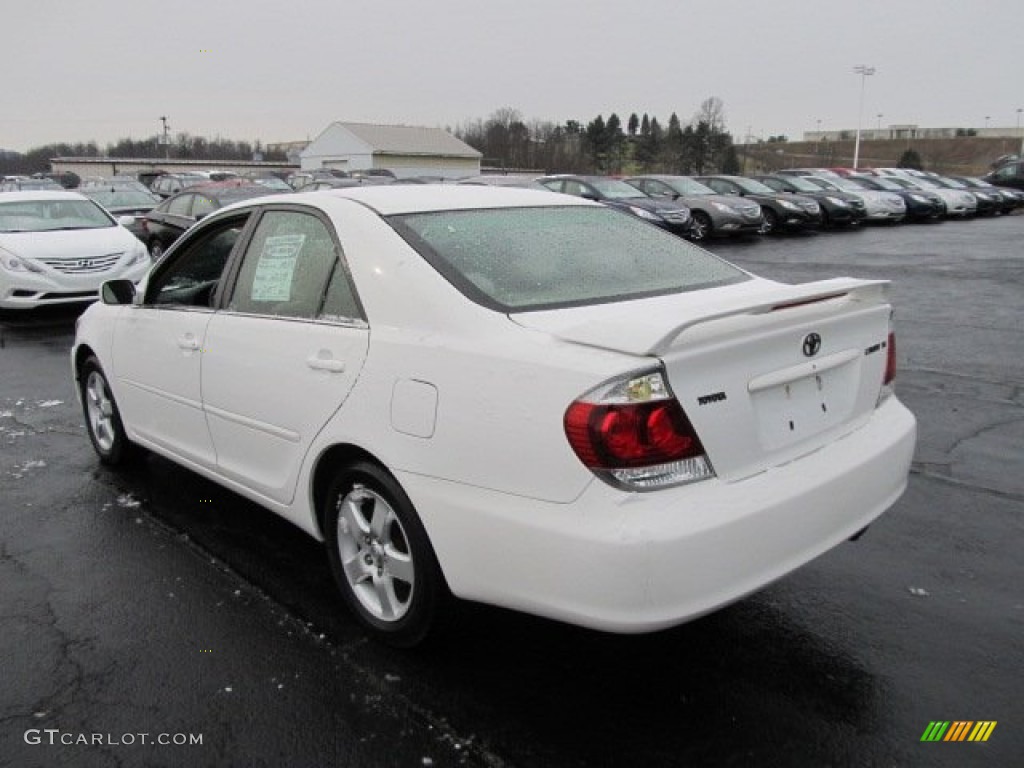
<point x="713" y="214"/>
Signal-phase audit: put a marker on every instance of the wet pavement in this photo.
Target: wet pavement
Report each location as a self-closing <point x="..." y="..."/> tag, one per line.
<point x="150" y="601"/>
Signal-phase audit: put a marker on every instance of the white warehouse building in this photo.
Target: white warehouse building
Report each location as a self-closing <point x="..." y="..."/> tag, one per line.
<point x="404" y="149"/>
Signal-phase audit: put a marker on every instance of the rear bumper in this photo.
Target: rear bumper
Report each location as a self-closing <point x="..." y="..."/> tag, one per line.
<point x="645" y="561"/>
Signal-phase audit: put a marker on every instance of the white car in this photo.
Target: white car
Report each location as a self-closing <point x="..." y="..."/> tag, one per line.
<point x="506" y="395"/>
<point x="959" y="202"/>
<point x="59" y="247"/>
<point x="878" y="206"/>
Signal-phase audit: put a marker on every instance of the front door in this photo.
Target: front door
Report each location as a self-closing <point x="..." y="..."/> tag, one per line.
<point x="159" y="346"/>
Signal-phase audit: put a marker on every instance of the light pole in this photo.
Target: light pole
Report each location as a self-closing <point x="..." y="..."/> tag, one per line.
<point x="1019" y="110"/>
<point x="166" y="139"/>
<point x="864" y="72"/>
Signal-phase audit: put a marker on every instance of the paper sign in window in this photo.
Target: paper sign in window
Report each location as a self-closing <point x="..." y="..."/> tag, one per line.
<point x="276" y="268"/>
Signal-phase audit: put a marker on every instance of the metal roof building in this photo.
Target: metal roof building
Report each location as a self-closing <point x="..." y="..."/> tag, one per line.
<point x="404" y="149"/>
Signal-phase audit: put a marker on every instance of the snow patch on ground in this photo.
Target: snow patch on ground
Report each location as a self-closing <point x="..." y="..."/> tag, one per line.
<point x="27" y="466"/>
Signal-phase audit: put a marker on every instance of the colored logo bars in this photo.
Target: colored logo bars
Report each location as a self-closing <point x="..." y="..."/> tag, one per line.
<point x="958" y="730"/>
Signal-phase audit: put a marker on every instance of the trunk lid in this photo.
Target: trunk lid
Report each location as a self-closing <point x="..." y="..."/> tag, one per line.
<point x="766" y="372"/>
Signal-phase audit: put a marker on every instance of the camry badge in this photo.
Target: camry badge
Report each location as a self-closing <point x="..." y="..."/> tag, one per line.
<point x="812" y="343"/>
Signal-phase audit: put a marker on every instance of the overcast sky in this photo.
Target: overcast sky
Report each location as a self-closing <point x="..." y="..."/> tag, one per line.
<point x="281" y="71"/>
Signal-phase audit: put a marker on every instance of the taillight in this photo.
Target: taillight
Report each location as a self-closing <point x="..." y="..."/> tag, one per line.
<point x="890" y="359"/>
<point x="634" y="433"/>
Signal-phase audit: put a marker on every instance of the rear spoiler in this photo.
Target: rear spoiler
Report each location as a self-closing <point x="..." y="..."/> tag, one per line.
<point x="788" y="297"/>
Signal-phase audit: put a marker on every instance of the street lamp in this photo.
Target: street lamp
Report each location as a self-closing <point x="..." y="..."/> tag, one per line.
<point x="1019" y="110"/>
<point x="864" y="72"/>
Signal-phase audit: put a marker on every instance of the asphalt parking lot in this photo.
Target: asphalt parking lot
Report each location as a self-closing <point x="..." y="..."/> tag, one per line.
<point x="150" y="601"/>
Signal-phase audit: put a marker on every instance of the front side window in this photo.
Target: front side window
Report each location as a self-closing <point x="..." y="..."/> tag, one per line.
<point x="286" y="267"/>
<point x="192" y="277"/>
<point x="515" y="259"/>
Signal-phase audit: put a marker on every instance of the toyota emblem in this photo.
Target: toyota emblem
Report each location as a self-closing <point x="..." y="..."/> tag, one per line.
<point x="812" y="343"/>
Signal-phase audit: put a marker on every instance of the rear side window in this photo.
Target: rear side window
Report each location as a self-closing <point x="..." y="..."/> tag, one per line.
<point x="514" y="259"/>
<point x="180" y="206"/>
<point x="286" y="267"/>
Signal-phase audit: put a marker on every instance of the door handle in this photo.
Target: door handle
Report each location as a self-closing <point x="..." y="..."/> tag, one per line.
<point x="188" y="342"/>
<point x="328" y="364"/>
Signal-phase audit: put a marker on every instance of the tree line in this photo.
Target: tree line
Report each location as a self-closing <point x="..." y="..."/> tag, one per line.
<point x="182" y="146"/>
<point x="606" y="146"/>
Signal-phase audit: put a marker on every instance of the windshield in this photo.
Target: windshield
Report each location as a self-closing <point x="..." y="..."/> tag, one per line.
<point x="52" y="215"/>
<point x="820" y="183"/>
<point x="950" y="183"/>
<point x="272" y="182"/>
<point x="863" y="183"/>
<point x="802" y="185"/>
<point x="686" y="186"/>
<point x="845" y="184"/>
<point x="515" y="259"/>
<point x="614" y="189"/>
<point x="886" y="184"/>
<point x="753" y="187"/>
<point x="904" y="184"/>
<point x="121" y="197"/>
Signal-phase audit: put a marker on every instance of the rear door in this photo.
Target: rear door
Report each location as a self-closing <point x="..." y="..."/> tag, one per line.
<point x="284" y="351"/>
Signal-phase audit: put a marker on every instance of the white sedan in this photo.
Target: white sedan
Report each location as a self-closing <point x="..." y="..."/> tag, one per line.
<point x="508" y="396"/>
<point x="59" y="247"/>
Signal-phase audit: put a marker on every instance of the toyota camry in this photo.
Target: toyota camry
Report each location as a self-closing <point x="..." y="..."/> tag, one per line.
<point x="508" y="396"/>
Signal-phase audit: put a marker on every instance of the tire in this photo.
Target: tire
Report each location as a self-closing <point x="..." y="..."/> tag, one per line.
<point x="156" y="250"/>
<point x="102" y="417"/>
<point x="701" y="230"/>
<point x="771" y="221"/>
<point x="826" y="220"/>
<point x="381" y="557"/>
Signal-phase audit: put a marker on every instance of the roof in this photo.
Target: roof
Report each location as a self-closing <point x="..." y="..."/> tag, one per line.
<point x="408" y="140"/>
<point x="391" y="199"/>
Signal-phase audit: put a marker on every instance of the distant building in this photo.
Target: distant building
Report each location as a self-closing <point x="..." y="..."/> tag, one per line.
<point x="912" y="132"/>
<point x="291" y="149"/>
<point x="87" y="167"/>
<point x="405" y="150"/>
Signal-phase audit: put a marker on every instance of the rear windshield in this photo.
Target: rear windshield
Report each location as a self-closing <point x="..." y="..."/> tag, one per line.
<point x="516" y="259"/>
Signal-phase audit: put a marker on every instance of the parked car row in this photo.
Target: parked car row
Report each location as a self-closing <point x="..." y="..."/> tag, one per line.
<point x="792" y="199"/>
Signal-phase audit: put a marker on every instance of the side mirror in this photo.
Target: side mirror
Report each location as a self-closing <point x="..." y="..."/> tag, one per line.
<point x="125" y="221"/>
<point x="118" y="292"/>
